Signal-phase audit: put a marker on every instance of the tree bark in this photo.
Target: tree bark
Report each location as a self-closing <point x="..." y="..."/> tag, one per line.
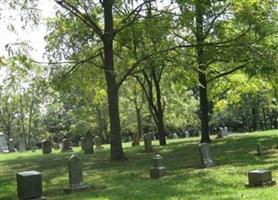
<point x="204" y="118"/>
<point x="112" y="89"/>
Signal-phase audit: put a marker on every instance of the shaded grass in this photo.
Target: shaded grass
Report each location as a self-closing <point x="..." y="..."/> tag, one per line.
<point x="234" y="157"/>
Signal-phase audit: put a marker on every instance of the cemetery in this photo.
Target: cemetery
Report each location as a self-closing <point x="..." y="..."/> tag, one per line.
<point x="139" y="99"/>
<point x="176" y="171"/>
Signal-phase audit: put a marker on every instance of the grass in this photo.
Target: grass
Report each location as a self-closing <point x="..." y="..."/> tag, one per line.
<point x="234" y="157"/>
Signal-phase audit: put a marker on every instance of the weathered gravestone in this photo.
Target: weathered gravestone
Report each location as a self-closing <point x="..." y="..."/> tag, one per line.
<point x="46" y="146"/>
<point x="66" y="146"/>
<point x="223" y="132"/>
<point x="3" y="144"/>
<point x="11" y="145"/>
<point x="148" y="143"/>
<point x="97" y="141"/>
<point x="82" y="143"/>
<point x="21" y="144"/>
<point x="88" y="144"/>
<point x="205" y="155"/>
<point x="259" y="178"/>
<point x="175" y="136"/>
<point x="75" y="175"/>
<point x="29" y="185"/>
<point x="158" y="170"/>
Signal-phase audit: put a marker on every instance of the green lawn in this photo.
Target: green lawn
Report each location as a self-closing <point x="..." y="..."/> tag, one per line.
<point x="234" y="157"/>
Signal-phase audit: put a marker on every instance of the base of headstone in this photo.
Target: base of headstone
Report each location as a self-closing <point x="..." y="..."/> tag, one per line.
<point x="260" y="178"/>
<point x="157" y="172"/>
<point x="76" y="189"/>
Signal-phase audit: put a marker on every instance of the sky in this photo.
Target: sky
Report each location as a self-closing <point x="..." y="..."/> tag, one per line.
<point x="35" y="36"/>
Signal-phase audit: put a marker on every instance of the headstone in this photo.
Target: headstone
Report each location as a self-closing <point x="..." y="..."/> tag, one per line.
<point x="258" y="178"/>
<point x="158" y="170"/>
<point x="88" y="144"/>
<point x="97" y="141"/>
<point x="46" y="146"/>
<point x="82" y="143"/>
<point x="205" y="155"/>
<point x="66" y="146"/>
<point x="148" y="142"/>
<point x="3" y="144"/>
<point x="75" y="175"/>
<point x="21" y="144"/>
<point x="29" y="185"/>
<point x="175" y="135"/>
<point x="225" y="131"/>
<point x="259" y="150"/>
<point x="11" y="145"/>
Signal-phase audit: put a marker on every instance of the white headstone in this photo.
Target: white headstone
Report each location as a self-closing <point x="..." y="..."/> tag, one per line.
<point x="3" y="144"/>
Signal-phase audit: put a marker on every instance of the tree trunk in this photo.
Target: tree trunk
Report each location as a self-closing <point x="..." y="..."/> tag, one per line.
<point x="139" y="133"/>
<point x="202" y="72"/>
<point x="112" y="89"/>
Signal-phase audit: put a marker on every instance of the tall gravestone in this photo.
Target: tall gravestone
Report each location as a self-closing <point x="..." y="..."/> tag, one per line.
<point x="148" y="143"/>
<point x="75" y="175"/>
<point x="158" y="170"/>
<point x="88" y="144"/>
<point x="29" y="185"/>
<point x="21" y="144"/>
<point x="97" y="141"/>
<point x="205" y="155"/>
<point x="46" y="146"/>
<point x="3" y="144"/>
<point x="82" y="143"/>
<point x="66" y="146"/>
<point x="11" y="145"/>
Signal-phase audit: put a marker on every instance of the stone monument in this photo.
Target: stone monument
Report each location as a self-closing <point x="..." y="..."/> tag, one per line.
<point x="46" y="146"/>
<point x="75" y="175"/>
<point x="29" y="185"/>
<point x="11" y="145"/>
<point x="148" y="143"/>
<point x="88" y="144"/>
<point x="259" y="178"/>
<point x="66" y="146"/>
<point x="205" y="155"/>
<point x="158" y="170"/>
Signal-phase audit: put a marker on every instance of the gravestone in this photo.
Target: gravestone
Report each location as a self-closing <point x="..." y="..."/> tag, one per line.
<point x="259" y="150"/>
<point x="11" y="145"/>
<point x="259" y="178"/>
<point x="82" y="143"/>
<point x="3" y="144"/>
<point x="175" y="136"/>
<point x="29" y="185"/>
<point x="97" y="141"/>
<point x="21" y="144"/>
<point x="148" y="143"/>
<point x="66" y="146"/>
<point x="205" y="155"/>
<point x="88" y="144"/>
<point x="46" y="146"/>
<point x="158" y="170"/>
<point x="75" y="175"/>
